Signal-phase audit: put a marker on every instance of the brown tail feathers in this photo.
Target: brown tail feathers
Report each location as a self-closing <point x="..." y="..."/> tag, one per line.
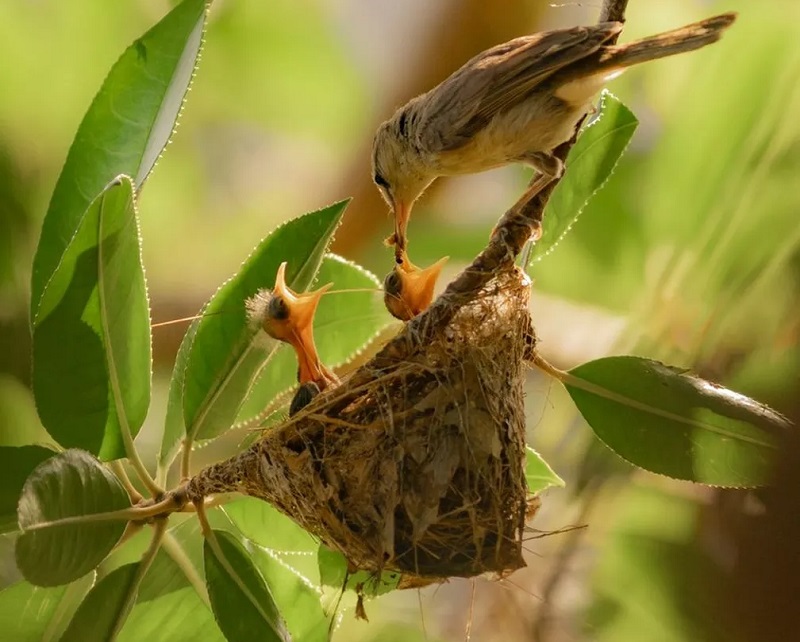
<point x="688" y="38"/>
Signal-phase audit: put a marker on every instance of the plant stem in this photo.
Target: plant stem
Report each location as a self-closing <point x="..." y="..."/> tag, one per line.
<point x="173" y="548"/>
<point x="186" y="457"/>
<point x="144" y="565"/>
<point x="118" y="468"/>
<point x="548" y="368"/>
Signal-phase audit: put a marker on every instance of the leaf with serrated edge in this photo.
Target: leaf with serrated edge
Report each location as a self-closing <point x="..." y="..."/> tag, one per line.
<point x="668" y="421"/>
<point x="590" y="163"/>
<point x="91" y="340"/>
<point x="242" y="603"/>
<point x="128" y="124"/>
<point x="68" y="517"/>
<point x="538" y="473"/>
<point x="229" y="351"/>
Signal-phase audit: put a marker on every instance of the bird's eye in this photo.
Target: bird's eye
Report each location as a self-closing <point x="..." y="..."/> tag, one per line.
<point x="380" y="181"/>
<point x="278" y="310"/>
<point x="391" y="284"/>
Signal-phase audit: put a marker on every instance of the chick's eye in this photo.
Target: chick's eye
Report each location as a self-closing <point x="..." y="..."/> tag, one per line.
<point x="391" y="284"/>
<point x="278" y="310"/>
<point x="380" y="181"/>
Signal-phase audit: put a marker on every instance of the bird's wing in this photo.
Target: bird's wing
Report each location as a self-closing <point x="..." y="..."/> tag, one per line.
<point x="498" y="79"/>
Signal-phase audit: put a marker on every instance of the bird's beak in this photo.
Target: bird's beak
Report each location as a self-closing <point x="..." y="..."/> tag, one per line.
<point x="298" y="329"/>
<point x="414" y="291"/>
<point x="401" y="215"/>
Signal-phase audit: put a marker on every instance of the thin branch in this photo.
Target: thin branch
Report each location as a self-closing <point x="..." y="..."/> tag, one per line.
<point x="613" y="11"/>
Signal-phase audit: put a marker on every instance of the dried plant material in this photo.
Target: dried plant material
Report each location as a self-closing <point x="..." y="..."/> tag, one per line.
<point x="416" y="461"/>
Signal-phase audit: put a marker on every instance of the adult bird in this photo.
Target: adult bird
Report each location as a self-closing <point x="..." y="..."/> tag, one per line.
<point x="513" y="103"/>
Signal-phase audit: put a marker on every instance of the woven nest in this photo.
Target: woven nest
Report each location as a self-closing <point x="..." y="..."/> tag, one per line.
<point x="415" y="463"/>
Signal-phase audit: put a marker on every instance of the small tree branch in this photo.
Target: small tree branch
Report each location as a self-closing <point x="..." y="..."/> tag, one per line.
<point x="613" y="11"/>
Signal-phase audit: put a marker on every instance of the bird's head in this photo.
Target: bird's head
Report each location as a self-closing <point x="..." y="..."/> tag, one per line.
<point x="398" y="172"/>
<point x="289" y="316"/>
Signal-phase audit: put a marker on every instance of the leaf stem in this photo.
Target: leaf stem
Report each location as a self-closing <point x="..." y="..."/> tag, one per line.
<point x="144" y="565"/>
<point x="119" y="470"/>
<point x="186" y="457"/>
<point x="545" y="366"/>
<point x="173" y="548"/>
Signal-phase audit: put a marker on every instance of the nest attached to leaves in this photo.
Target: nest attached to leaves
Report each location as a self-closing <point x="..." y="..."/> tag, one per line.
<point x="416" y="462"/>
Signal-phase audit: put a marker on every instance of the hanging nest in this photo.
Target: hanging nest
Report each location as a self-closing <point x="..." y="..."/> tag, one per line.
<point x="415" y="462"/>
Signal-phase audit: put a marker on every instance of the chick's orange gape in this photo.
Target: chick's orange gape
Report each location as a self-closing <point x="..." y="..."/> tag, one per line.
<point x="513" y="103"/>
<point x="288" y="316"/>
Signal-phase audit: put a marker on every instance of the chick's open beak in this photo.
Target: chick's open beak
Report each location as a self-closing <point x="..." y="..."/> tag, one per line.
<point x="408" y="290"/>
<point x="290" y="318"/>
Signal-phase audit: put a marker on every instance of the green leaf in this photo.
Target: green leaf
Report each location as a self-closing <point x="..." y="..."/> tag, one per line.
<point x="298" y="599"/>
<point x="125" y="130"/>
<point x="30" y="613"/>
<point x="538" y="472"/>
<point x="54" y="549"/>
<point x="179" y="614"/>
<point x="344" y="323"/>
<point x="170" y="606"/>
<point x="242" y="603"/>
<point x="91" y="337"/>
<point x="333" y="572"/>
<point x="228" y="351"/>
<point x="16" y="464"/>
<point x="589" y="164"/>
<point x="105" y="608"/>
<point x="286" y="554"/>
<point x="668" y="421"/>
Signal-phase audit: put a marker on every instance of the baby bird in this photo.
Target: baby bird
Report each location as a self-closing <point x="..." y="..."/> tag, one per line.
<point x="408" y="290"/>
<point x="288" y="316"/>
<point x="513" y="103"/>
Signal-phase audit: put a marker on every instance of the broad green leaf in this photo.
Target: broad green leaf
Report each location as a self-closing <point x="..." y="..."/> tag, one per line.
<point x="102" y="613"/>
<point x="91" y="338"/>
<point x="333" y="572"/>
<point x="589" y="164"/>
<point x="668" y="421"/>
<point x="125" y="130"/>
<point x="16" y="464"/>
<point x="179" y="614"/>
<point x="229" y="351"/>
<point x="19" y="421"/>
<point x="538" y="473"/>
<point x="242" y="603"/>
<point x="344" y="324"/>
<point x="266" y="526"/>
<point x="297" y="597"/>
<point x="54" y="549"/>
<point x="31" y="613"/>
<point x="286" y="554"/>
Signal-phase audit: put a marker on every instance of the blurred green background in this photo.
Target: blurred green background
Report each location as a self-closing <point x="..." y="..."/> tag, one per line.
<point x="690" y="254"/>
